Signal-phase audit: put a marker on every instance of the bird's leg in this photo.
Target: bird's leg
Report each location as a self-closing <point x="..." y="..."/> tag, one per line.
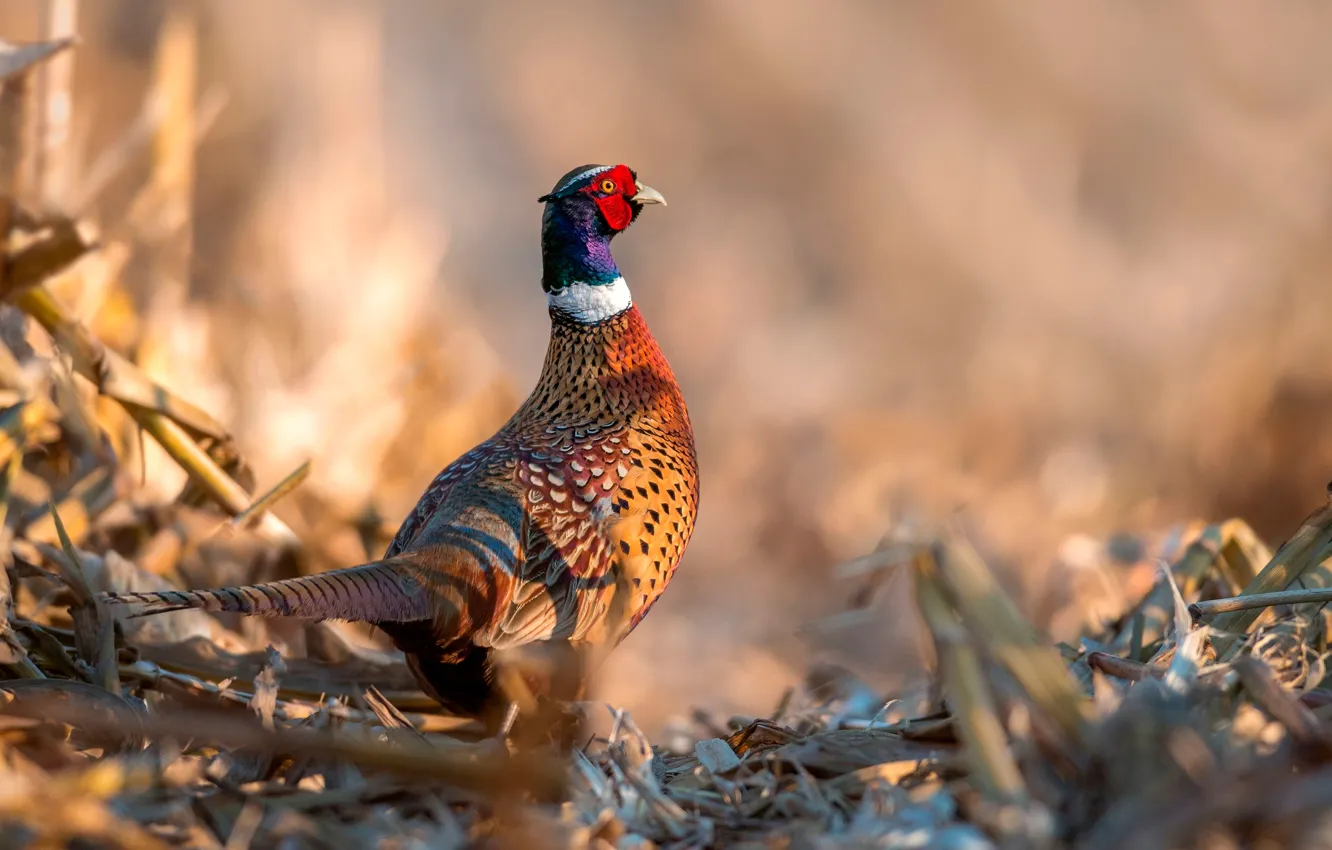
<point x="536" y="681"/>
<point x="506" y="725"/>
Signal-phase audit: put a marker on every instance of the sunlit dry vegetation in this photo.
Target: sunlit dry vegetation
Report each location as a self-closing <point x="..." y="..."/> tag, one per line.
<point x="269" y="266"/>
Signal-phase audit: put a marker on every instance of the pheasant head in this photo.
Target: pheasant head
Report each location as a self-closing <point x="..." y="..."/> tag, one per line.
<point x="588" y="208"/>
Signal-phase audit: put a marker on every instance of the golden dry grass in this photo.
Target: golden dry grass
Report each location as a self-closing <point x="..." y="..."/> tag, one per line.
<point x="1064" y="268"/>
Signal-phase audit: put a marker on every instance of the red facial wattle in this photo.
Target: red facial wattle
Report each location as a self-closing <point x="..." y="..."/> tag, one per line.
<point x="616" y="210"/>
<point x="614" y="204"/>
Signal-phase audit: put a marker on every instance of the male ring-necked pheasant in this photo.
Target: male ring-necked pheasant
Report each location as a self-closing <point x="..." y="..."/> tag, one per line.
<point x="566" y="525"/>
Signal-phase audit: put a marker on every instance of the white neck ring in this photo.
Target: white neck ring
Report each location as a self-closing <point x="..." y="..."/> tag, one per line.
<point x="591" y="302"/>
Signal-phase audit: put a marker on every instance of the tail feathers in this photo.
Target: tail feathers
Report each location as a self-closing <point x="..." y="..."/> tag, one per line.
<point x="377" y="592"/>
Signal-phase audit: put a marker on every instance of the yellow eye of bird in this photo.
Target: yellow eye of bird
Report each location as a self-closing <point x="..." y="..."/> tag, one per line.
<point x="608" y="186"/>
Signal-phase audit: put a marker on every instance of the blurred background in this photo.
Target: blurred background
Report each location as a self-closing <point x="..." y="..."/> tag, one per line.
<point x="1065" y="268"/>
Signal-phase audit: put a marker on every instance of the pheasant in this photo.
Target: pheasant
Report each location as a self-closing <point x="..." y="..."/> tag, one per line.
<point x="562" y="529"/>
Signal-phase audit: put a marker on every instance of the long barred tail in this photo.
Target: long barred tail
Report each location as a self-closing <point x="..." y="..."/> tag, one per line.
<point x="377" y="592"/>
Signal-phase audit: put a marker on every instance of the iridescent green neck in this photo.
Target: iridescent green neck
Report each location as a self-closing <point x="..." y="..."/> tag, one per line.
<point x="575" y="248"/>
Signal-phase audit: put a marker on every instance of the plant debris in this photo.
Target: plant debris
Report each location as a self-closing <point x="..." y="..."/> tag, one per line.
<point x="1194" y="718"/>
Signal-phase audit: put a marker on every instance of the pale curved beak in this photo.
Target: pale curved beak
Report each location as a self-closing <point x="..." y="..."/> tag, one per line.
<point x="648" y="195"/>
